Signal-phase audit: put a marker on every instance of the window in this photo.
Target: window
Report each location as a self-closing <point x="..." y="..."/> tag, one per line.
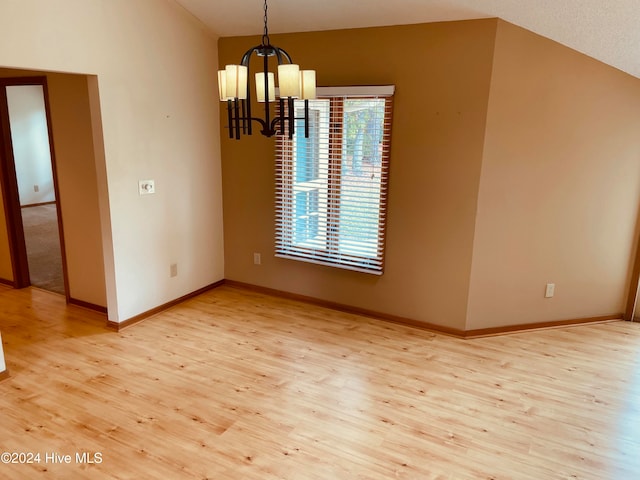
<point x="331" y="188"/>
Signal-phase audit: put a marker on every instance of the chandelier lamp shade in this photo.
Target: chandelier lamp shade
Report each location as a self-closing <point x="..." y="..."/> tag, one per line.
<point x="234" y="88"/>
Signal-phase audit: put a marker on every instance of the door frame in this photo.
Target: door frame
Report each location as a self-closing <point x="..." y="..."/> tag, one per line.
<point x="633" y="287"/>
<point x="9" y="185"/>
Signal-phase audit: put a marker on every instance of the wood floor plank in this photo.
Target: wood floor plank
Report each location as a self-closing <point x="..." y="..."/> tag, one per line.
<point x="240" y="385"/>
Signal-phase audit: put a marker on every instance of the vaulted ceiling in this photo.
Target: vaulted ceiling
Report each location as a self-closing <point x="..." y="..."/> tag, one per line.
<point x="608" y="30"/>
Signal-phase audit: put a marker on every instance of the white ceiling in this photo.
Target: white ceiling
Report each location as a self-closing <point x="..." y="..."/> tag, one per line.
<point x="608" y="30"/>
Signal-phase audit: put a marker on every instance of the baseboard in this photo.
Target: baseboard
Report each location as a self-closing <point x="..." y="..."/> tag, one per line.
<point x="465" y="334"/>
<point x="38" y="204"/>
<point x="348" y="309"/>
<point x="4" y="375"/>
<point x="492" y="332"/>
<point x="6" y="282"/>
<point x="119" y="326"/>
<point x="88" y="306"/>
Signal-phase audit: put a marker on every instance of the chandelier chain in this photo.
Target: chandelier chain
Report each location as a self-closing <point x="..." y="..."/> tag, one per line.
<point x="265" y="35"/>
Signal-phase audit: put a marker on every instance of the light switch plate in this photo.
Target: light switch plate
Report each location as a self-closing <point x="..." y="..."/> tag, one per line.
<point x="550" y="290"/>
<point x="146" y="187"/>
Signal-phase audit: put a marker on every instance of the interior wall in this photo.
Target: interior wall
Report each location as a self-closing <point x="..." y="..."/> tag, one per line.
<point x="560" y="186"/>
<point x="442" y="73"/>
<point x="30" y="140"/>
<point x="155" y="67"/>
<point x="103" y="191"/>
<point x="78" y="187"/>
<point x="3" y="365"/>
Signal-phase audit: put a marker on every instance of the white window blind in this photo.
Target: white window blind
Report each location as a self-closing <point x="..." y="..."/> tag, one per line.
<point x="331" y="188"/>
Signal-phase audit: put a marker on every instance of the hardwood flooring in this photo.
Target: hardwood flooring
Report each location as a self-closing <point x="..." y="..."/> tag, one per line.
<point x="239" y="385"/>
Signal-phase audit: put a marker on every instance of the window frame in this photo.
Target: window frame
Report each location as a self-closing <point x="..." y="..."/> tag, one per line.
<point x="329" y="254"/>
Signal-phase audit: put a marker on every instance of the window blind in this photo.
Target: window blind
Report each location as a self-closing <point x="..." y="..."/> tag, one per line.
<point x="331" y="188"/>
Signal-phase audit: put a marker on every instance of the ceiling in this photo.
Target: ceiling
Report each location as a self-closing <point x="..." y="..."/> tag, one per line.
<point x="608" y="30"/>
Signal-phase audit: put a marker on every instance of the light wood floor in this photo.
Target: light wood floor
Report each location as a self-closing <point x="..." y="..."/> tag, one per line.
<point x="239" y="385"/>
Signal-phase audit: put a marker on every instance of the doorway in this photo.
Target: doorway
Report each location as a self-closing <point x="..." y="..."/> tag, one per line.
<point x="29" y="185"/>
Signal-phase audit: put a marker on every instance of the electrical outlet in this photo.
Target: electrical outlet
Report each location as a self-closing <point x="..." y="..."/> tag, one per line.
<point x="257" y="259"/>
<point x="550" y="290"/>
<point x="36" y="188"/>
<point x="173" y="270"/>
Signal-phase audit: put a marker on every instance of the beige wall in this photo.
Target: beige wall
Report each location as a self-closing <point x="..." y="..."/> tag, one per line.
<point x="560" y="186"/>
<point x="555" y="187"/>
<point x="442" y="73"/>
<point x="479" y="220"/>
<point x="154" y="67"/>
<point x="77" y="180"/>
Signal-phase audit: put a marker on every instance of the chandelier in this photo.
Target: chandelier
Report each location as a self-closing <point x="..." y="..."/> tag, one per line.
<point x="234" y="87"/>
